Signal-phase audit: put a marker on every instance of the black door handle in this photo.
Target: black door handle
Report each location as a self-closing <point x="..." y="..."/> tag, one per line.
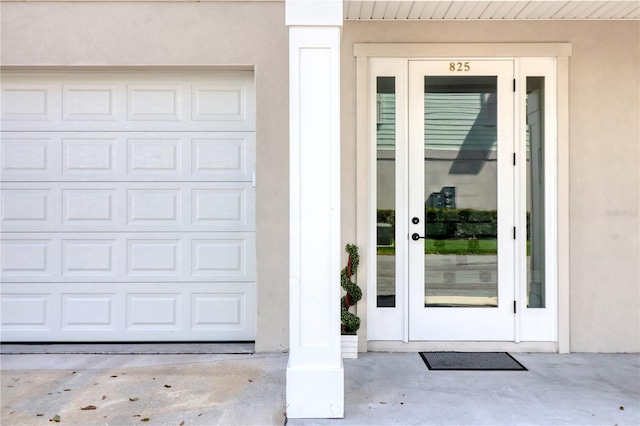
<point x="415" y="236"/>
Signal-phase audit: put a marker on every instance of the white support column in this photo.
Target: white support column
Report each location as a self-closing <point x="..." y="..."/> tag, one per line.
<point x="315" y="376"/>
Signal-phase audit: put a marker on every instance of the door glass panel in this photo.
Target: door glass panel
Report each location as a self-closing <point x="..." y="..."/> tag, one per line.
<point x="460" y="176"/>
<point x="535" y="193"/>
<point x="386" y="191"/>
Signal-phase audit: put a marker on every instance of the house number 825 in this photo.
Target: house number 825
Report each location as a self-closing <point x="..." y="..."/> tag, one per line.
<point x="459" y="66"/>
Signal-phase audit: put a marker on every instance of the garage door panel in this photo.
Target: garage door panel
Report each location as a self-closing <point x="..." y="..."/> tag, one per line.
<point x="88" y="311"/>
<point x="225" y="207"/>
<point x="88" y="207"/>
<point x="160" y="156"/>
<point x="127" y="207"/>
<point x="26" y="311"/>
<point x="26" y="259"/>
<point x="22" y="206"/>
<point x="154" y="206"/>
<point x="128" y="156"/>
<point x="26" y="100"/>
<point x="84" y="258"/>
<point x="154" y="257"/>
<point x="140" y="311"/>
<point x="27" y="156"/>
<point x="218" y="311"/>
<point x="149" y="311"/>
<point x="84" y="155"/>
<point x="221" y="258"/>
<point x="161" y="101"/>
<point x="134" y="257"/>
<point x="223" y="157"/>
<point x="222" y="102"/>
<point x="91" y="102"/>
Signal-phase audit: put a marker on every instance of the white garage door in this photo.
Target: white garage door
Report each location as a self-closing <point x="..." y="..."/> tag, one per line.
<point x="128" y="206"/>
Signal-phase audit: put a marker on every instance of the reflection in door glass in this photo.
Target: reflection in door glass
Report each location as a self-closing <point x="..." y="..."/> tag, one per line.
<point x="535" y="193"/>
<point x="460" y="177"/>
<point x="386" y="191"/>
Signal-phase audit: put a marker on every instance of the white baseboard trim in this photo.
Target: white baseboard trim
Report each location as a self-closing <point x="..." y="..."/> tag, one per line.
<point x="398" y="346"/>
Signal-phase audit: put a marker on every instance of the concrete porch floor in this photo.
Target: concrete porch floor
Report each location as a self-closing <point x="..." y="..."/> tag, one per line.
<point x="380" y="389"/>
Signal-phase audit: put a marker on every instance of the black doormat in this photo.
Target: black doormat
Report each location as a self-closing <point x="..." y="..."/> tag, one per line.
<point x="478" y="361"/>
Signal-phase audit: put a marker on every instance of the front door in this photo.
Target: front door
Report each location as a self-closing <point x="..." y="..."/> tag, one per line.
<point x="461" y="207"/>
<point x="460" y="200"/>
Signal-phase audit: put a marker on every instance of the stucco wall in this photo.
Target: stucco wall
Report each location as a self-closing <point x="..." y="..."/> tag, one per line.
<point x="186" y="34"/>
<point x="604" y="130"/>
<point x="604" y="164"/>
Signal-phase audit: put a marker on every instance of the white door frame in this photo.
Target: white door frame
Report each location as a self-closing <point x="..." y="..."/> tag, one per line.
<point x="526" y="55"/>
<point x="462" y="323"/>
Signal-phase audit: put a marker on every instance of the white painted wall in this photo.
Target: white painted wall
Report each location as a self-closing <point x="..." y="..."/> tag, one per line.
<point x="242" y="35"/>
<point x="603" y="116"/>
<point x="604" y="159"/>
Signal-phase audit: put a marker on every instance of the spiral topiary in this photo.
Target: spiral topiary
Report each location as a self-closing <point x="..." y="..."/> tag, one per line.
<point x="350" y="321"/>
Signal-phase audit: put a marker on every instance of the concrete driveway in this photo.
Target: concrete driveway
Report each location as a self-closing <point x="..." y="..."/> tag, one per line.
<point x="127" y="389"/>
<point x="380" y="389"/>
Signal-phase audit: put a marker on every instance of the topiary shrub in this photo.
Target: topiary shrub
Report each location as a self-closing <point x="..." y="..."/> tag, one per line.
<point x="350" y="321"/>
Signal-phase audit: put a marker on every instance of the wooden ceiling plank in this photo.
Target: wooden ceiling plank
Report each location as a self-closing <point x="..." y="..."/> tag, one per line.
<point x="530" y="11"/>
<point x="416" y="10"/>
<point x="442" y="7"/>
<point x="547" y="9"/>
<point x="466" y="7"/>
<point x="478" y="9"/>
<point x="490" y="11"/>
<point x="584" y="9"/>
<point x="503" y="9"/>
<point x="353" y="10"/>
<point x="566" y="10"/>
<point x="608" y="10"/>
<point x="404" y="9"/>
<point x="428" y="9"/>
<point x="392" y="10"/>
<point x="367" y="9"/>
<point x="631" y="11"/>
<point x="379" y="9"/>
<point x="515" y="10"/>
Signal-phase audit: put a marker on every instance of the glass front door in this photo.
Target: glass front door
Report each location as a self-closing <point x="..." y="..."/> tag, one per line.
<point x="462" y="200"/>
<point x="460" y="205"/>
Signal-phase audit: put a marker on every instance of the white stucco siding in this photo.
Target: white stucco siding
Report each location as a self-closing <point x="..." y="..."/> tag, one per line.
<point x="602" y="174"/>
<point x="602" y="271"/>
<point x="180" y="36"/>
<point x="605" y="188"/>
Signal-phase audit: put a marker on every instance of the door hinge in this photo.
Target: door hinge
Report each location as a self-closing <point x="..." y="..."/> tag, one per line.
<point x="514" y="232"/>
<point x="514" y="84"/>
<point x="514" y="158"/>
<point x="515" y="307"/>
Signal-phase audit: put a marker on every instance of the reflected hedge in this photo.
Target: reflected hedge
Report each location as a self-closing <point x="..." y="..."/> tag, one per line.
<point x="445" y="224"/>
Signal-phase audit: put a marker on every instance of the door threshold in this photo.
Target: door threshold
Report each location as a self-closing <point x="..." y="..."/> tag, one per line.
<point x="151" y="348"/>
<point x="424" y="346"/>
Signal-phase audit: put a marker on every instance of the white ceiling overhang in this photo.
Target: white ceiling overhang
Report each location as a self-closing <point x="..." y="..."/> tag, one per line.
<point x="465" y="10"/>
